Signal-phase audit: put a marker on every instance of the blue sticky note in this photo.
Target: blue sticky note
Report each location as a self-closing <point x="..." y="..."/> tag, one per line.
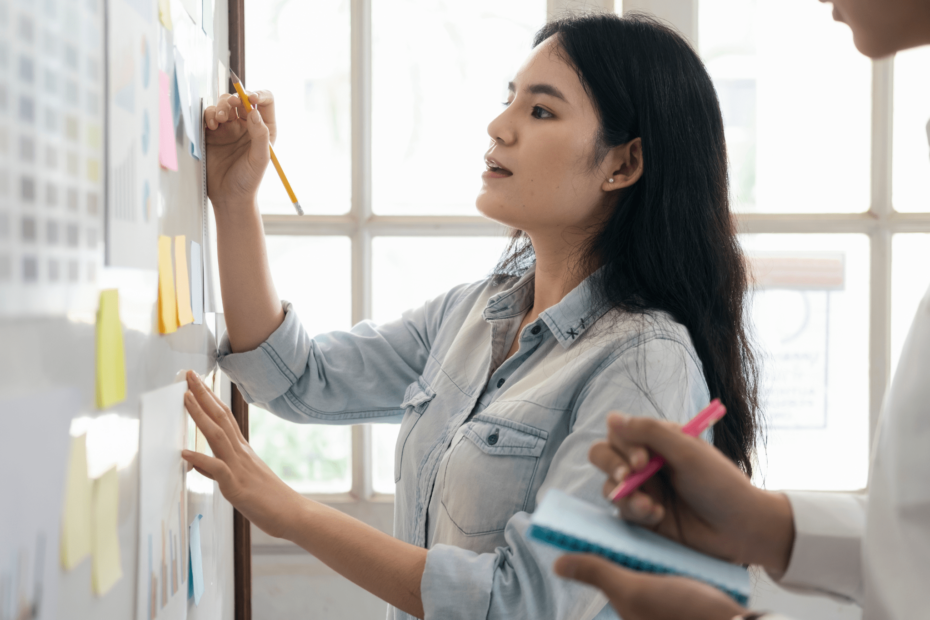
<point x="196" y="560"/>
<point x="190" y="573"/>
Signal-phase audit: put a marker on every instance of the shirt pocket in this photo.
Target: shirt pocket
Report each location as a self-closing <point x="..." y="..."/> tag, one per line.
<point x="490" y="472"/>
<point x="416" y="399"/>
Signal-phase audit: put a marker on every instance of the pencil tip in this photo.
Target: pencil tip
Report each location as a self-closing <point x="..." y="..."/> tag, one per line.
<point x="235" y="78"/>
<point x="300" y="210"/>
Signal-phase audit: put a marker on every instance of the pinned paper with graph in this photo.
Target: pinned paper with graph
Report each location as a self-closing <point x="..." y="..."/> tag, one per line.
<point x="51" y="157"/>
<point x="163" y="524"/>
<point x="132" y="137"/>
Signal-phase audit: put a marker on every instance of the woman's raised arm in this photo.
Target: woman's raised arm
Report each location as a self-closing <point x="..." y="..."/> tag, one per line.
<point x="238" y="154"/>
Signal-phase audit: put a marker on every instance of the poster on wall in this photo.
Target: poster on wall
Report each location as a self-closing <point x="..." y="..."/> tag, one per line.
<point x="162" y="590"/>
<point x="51" y="156"/>
<point x="132" y="137"/>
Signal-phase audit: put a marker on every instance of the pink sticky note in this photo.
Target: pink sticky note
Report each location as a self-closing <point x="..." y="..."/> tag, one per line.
<point x="167" y="149"/>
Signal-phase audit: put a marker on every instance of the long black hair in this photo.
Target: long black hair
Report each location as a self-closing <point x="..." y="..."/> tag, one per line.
<point x="669" y="243"/>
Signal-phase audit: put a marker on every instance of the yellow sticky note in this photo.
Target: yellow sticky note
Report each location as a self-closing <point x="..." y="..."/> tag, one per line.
<point x="164" y="13"/>
<point x="185" y="315"/>
<point x="106" y="569"/>
<point x="111" y="361"/>
<point x="76" y="521"/>
<point x="167" y="306"/>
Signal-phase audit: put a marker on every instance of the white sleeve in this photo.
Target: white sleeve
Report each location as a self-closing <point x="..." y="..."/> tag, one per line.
<point x="827" y="552"/>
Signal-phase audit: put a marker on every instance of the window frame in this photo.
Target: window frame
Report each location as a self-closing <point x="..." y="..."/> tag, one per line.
<point x="361" y="225"/>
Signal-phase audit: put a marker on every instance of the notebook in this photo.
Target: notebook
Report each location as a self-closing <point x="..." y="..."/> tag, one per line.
<point x="580" y="527"/>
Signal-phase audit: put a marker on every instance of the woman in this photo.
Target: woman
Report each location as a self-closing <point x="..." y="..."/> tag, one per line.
<point x="873" y="549"/>
<point x="623" y="289"/>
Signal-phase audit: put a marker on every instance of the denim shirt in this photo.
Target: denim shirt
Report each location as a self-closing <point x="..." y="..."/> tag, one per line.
<point x="482" y="439"/>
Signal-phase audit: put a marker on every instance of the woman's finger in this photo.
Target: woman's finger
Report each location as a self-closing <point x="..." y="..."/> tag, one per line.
<point x="209" y="466"/>
<point x="216" y="410"/>
<point x="209" y="117"/>
<point x="221" y="404"/>
<point x="640" y="508"/>
<point x="606" y="458"/>
<point x="636" y="454"/>
<point x="596" y="571"/>
<point x="219" y="442"/>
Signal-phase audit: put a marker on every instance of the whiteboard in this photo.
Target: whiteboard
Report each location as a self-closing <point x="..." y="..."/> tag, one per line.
<point x="47" y="349"/>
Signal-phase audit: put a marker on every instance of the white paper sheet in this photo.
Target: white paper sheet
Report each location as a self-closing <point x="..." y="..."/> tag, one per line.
<point x="161" y="593"/>
<point x="196" y="283"/>
<point x="183" y="86"/>
<point x="132" y="136"/>
<point x="32" y="492"/>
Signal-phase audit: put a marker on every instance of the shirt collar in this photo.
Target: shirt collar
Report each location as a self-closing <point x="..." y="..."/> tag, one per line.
<point x="567" y="320"/>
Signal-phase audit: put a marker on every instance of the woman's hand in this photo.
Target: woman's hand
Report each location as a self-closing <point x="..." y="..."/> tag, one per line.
<point x="238" y="143"/>
<point x="245" y="480"/>
<point x="699" y="498"/>
<point x="641" y="596"/>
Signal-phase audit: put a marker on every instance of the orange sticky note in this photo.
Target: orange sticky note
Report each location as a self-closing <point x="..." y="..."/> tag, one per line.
<point x="111" y="360"/>
<point x="167" y="149"/>
<point x="167" y="306"/>
<point x="183" y="290"/>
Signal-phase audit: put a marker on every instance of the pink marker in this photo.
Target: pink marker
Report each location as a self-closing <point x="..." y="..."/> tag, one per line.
<point x="697" y="425"/>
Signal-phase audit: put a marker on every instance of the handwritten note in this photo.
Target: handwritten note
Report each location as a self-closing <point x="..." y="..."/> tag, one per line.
<point x="167" y="306"/>
<point x="107" y="568"/>
<point x="111" y="360"/>
<point x="167" y="149"/>
<point x="185" y="317"/>
<point x="76" y="523"/>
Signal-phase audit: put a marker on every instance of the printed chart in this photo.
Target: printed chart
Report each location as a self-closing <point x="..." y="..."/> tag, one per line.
<point x="163" y="541"/>
<point x="132" y="225"/>
<point x="51" y="156"/>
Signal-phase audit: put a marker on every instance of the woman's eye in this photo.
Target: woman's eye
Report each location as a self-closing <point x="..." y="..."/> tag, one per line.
<point x="539" y="112"/>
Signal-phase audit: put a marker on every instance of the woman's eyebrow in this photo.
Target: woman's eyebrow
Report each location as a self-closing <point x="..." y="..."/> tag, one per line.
<point x="540" y="89"/>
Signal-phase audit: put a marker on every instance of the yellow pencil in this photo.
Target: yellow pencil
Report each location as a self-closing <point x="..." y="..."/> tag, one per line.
<point x="274" y="159"/>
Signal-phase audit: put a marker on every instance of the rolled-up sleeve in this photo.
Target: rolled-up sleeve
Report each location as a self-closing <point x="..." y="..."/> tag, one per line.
<point x="658" y="378"/>
<point x="338" y="377"/>
<point x="827" y="553"/>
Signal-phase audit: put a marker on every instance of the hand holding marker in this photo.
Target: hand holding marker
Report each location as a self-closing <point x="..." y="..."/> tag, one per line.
<point x="698" y="424"/>
<point x="237" y="84"/>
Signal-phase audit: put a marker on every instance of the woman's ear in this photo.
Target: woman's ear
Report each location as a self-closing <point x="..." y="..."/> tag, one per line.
<point x="624" y="164"/>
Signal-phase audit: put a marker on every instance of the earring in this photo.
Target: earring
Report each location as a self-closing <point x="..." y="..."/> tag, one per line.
<point x="610" y="180"/>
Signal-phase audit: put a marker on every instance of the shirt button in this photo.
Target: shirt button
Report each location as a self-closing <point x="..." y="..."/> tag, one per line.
<point x="493" y="438"/>
<point x="536" y="329"/>
<point x="500" y="383"/>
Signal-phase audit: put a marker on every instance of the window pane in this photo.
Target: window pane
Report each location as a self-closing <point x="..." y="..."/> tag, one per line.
<point x="312" y="458"/>
<point x="910" y="277"/>
<point x="811" y="319"/>
<point x="911" y="163"/>
<point x="439" y="264"/>
<point x="440" y="71"/>
<point x="299" y="50"/>
<point x="796" y="102"/>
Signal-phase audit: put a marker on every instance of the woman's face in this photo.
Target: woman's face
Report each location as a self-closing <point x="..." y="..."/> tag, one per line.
<point x="540" y="177"/>
<point x="882" y="27"/>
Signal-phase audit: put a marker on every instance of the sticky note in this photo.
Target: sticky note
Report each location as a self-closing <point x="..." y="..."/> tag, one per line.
<point x="167" y="150"/>
<point x="106" y="568"/>
<point x="196" y="117"/>
<point x="196" y="559"/>
<point x="175" y="99"/>
<point x="76" y="521"/>
<point x="111" y="360"/>
<point x="164" y="13"/>
<point x="196" y="283"/>
<point x="183" y="83"/>
<point x="185" y="317"/>
<point x="167" y="306"/>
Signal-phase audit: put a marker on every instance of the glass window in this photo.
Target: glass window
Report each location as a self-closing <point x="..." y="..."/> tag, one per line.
<point x="810" y="312"/>
<point x="440" y="73"/>
<point x="312" y="458"/>
<point x="299" y="50"/>
<point x="439" y="263"/>
<point x="911" y="154"/>
<point x="910" y="278"/>
<point x="797" y="116"/>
